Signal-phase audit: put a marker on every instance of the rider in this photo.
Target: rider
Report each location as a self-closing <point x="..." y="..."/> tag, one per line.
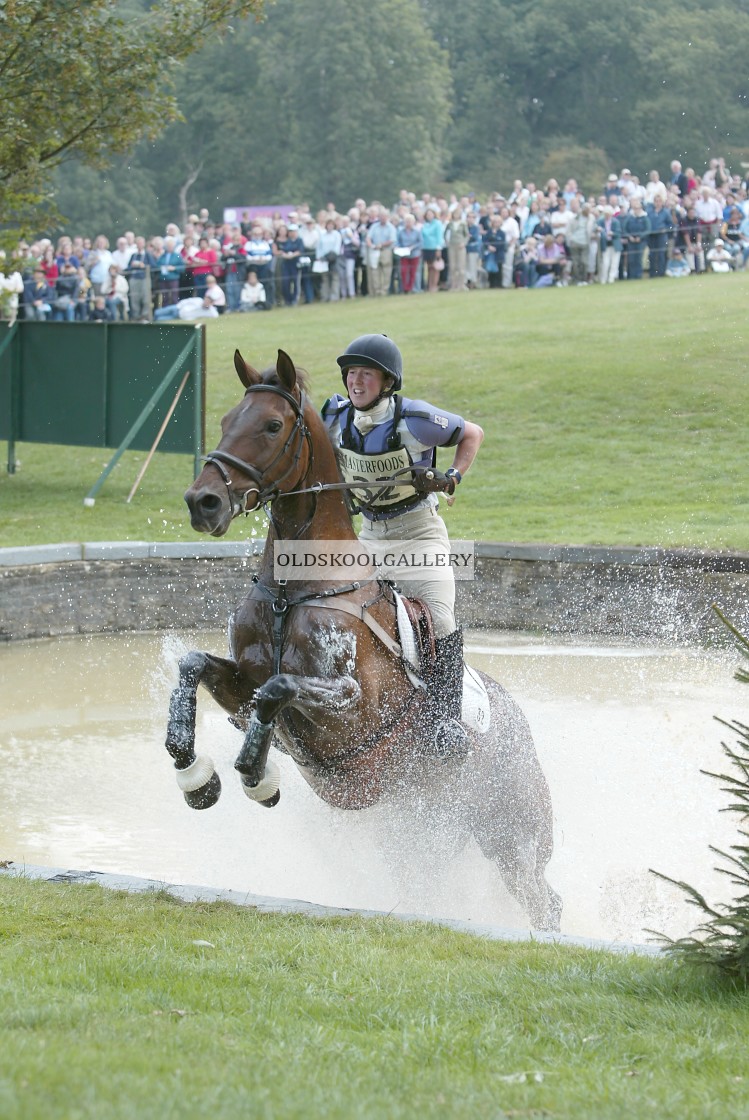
<point x="373" y="422"/>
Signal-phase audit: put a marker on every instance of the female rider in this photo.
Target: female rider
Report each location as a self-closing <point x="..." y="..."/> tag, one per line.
<point x="378" y="434"/>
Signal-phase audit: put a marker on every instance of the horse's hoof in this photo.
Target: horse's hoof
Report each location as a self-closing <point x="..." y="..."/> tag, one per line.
<point x="266" y="791"/>
<point x="271" y="801"/>
<point x="206" y="796"/>
<point x="199" y="783"/>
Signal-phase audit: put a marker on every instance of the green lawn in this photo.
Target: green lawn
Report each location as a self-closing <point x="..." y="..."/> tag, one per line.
<point x="109" y="1010"/>
<point x="612" y="415"/>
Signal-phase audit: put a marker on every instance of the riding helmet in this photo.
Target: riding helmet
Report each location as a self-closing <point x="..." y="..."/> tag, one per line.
<point x="375" y="351"/>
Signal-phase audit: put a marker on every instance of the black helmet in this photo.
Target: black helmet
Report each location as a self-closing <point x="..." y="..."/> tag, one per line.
<point x="376" y="351"/>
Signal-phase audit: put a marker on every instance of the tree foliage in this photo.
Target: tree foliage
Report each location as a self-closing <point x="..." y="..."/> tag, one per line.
<point x="722" y="940"/>
<point x="340" y="98"/>
<point x="87" y="80"/>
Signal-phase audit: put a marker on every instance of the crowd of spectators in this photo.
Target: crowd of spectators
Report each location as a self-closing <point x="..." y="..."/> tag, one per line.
<point x="533" y="237"/>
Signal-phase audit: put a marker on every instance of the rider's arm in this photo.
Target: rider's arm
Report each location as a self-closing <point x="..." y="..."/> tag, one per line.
<point x="467" y="449"/>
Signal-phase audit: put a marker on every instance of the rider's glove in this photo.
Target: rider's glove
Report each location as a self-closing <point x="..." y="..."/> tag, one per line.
<point x="434" y="481"/>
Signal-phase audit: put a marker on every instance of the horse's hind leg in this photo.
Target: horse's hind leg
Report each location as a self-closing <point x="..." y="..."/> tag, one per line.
<point x="512" y="814"/>
<point x="196" y="776"/>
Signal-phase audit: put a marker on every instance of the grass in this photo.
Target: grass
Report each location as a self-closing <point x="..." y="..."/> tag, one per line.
<point x="110" y="1010"/>
<point x="612" y="415"/>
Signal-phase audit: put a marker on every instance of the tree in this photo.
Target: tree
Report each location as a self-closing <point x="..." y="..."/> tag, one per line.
<point x="87" y="81"/>
<point x="722" y="940"/>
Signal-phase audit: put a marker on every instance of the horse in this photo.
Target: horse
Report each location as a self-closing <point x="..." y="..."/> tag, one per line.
<point x="314" y="669"/>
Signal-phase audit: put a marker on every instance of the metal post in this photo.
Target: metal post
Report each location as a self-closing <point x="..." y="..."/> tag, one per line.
<point x="15" y="395"/>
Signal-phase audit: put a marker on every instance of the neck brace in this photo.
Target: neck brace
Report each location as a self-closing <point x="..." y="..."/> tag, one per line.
<point x="365" y="420"/>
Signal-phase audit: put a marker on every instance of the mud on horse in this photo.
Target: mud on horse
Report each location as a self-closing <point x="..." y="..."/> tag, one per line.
<point x="313" y="668"/>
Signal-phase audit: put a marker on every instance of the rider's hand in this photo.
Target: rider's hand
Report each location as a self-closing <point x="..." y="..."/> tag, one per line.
<point x="435" y="482"/>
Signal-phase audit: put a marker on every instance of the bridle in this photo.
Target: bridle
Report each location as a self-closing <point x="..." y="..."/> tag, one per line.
<point x="266" y="493"/>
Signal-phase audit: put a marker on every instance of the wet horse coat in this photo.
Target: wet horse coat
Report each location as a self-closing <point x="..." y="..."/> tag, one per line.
<point x="309" y="675"/>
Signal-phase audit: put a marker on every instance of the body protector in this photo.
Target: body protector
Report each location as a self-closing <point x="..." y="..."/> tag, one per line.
<point x="376" y="444"/>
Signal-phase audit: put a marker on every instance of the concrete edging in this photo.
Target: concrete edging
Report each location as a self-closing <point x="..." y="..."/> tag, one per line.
<point x="267" y="905"/>
<point x="629" y="593"/>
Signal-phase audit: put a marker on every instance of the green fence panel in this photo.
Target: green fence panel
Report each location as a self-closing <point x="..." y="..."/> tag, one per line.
<point x="139" y="357"/>
<point x="63" y="395"/>
<point x="85" y="384"/>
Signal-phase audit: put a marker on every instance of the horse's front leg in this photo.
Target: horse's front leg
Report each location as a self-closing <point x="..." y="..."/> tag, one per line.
<point x="312" y="696"/>
<point x="196" y="775"/>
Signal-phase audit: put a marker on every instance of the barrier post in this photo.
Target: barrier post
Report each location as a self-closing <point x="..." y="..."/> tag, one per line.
<point x="9" y="340"/>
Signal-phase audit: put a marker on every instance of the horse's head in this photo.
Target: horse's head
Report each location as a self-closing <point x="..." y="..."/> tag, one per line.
<point x="265" y="448"/>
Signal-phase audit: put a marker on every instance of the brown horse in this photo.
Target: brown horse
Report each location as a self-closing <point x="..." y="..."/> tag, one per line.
<point x="312" y="669"/>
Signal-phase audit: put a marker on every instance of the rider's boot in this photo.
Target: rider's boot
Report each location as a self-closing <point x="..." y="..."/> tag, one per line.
<point x="445" y="698"/>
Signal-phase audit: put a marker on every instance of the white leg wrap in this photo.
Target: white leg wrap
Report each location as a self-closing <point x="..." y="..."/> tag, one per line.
<point x="196" y="775"/>
<point x="268" y="786"/>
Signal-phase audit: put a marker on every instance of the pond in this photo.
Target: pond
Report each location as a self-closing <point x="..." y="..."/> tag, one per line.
<point x="622" y="732"/>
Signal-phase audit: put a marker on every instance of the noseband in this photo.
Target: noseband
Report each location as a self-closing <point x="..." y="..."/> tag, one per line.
<point x="265" y="492"/>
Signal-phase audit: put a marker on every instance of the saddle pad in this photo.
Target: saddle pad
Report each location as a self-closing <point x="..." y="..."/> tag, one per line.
<point x="476" y="713"/>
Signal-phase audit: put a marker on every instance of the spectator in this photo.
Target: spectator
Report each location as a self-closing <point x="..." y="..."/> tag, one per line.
<point x="493" y="251"/>
<point x="655" y="188"/>
<point x="457" y="241"/>
<point x="116" y="294"/>
<point x="473" y="251"/>
<point x="122" y="254"/>
<point x="678" y="265"/>
<point x="203" y="265"/>
<point x="170" y="266"/>
<point x="689" y="239"/>
<point x="48" y="262"/>
<point x="350" y="241"/>
<point x="710" y="216"/>
<point x="525" y="265"/>
<point x="433" y="244"/>
<point x="719" y="258"/>
<point x="661" y="225"/>
<point x="83" y="296"/>
<point x="329" y="251"/>
<point x="380" y="241"/>
<point x="66" y="293"/>
<point x="610" y="241"/>
<point x="290" y="248"/>
<point x="549" y="262"/>
<point x="408" y="250"/>
<point x="193" y="307"/>
<point x="679" y="179"/>
<point x="581" y="230"/>
<point x="11" y="288"/>
<point x="310" y="235"/>
<point x="66" y="255"/>
<point x="253" y="294"/>
<point x="187" y="279"/>
<point x="100" y="313"/>
<point x="37" y="296"/>
<point x="139" y="273"/>
<point x="259" y="257"/>
<point x="511" y="230"/>
<point x="636" y="227"/>
<point x="98" y="263"/>
<point x="731" y="234"/>
<point x="565" y="259"/>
